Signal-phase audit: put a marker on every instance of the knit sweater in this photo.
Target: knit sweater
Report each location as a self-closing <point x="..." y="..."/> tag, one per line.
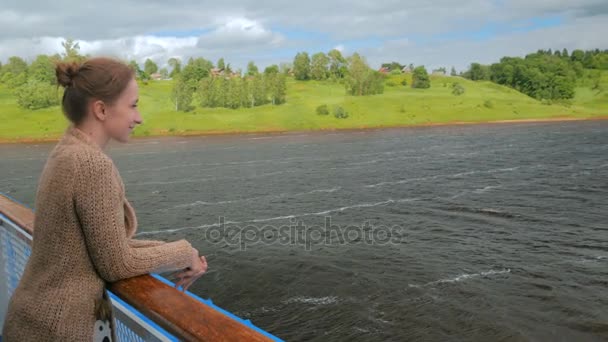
<point x="83" y="238"/>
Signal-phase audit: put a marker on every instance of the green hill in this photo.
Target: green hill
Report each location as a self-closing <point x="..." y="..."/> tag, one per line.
<point x="400" y="105"/>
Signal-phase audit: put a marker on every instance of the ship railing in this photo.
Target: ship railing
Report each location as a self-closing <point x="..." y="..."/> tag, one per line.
<point x="146" y="308"/>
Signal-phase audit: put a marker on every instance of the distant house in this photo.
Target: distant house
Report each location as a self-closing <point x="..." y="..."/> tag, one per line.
<point x="406" y="70"/>
<point x="156" y="76"/>
<point x="384" y="70"/>
<point x="217" y="72"/>
<point x="439" y="72"/>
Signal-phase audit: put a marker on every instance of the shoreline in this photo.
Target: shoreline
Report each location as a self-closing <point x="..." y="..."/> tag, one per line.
<point x="324" y="130"/>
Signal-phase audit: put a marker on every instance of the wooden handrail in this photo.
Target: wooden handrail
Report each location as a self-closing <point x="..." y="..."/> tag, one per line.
<point x="181" y="315"/>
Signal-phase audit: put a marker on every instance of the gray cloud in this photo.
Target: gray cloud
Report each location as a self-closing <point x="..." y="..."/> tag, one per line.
<point x="264" y="30"/>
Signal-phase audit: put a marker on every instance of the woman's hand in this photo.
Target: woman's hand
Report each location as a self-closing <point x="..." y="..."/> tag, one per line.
<point x="192" y="273"/>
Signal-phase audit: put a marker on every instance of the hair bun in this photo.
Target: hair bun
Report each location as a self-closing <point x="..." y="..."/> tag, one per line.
<point x="66" y="71"/>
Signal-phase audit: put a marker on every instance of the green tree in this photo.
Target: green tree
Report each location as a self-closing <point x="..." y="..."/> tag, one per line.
<point x="453" y="72"/>
<point x="457" y="89"/>
<point x="477" y="72"/>
<point x="71" y="51"/>
<point x="337" y="65"/>
<point x="578" y="55"/>
<point x="150" y="67"/>
<point x="420" y="78"/>
<point x="361" y="79"/>
<point x="15" y="65"/>
<point x="135" y="67"/>
<point x="164" y="73"/>
<point x="221" y="64"/>
<point x="301" y="66"/>
<point x="318" y="68"/>
<point x="276" y="87"/>
<point x="252" y="69"/>
<point x="284" y="68"/>
<point x="176" y="66"/>
<point x="42" y="69"/>
<point x="393" y="66"/>
<point x="181" y="95"/>
<point x="36" y="94"/>
<point x="272" y="69"/>
<point x="258" y="91"/>
<point x="14" y="81"/>
<point x="196" y="70"/>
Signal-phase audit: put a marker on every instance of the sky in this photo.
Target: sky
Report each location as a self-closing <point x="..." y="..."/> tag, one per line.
<point x="434" y="33"/>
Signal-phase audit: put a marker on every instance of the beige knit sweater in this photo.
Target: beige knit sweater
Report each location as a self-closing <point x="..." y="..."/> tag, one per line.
<point x="83" y="238"/>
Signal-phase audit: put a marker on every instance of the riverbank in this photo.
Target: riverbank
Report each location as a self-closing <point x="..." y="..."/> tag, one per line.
<point x="398" y="106"/>
<point x="166" y="133"/>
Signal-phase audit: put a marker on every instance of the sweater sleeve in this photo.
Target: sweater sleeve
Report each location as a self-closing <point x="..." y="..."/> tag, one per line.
<point x="99" y="206"/>
<point x="145" y="243"/>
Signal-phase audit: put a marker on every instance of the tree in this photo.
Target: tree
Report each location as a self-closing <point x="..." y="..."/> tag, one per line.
<point x="284" y="68"/>
<point x="176" y="66"/>
<point x="453" y="72"/>
<point x="181" y="95"/>
<point x="301" y="66"/>
<point x="276" y="86"/>
<point x="16" y="65"/>
<point x="252" y="69"/>
<point x="318" y="68"/>
<point x="36" y="94"/>
<point x="150" y="67"/>
<point x="272" y="69"/>
<point x="477" y="72"/>
<point x="393" y="66"/>
<point x="42" y="69"/>
<point x="71" y="51"/>
<point x="337" y="65"/>
<point x="139" y="74"/>
<point x="361" y="79"/>
<point x="420" y="78"/>
<point x="164" y="73"/>
<point x="577" y="55"/>
<point x="196" y="70"/>
<point x="457" y="89"/>
<point x="258" y="91"/>
<point x="14" y="73"/>
<point x="221" y="64"/>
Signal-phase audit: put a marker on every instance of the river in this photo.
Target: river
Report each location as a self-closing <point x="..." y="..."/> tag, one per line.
<point x="480" y="232"/>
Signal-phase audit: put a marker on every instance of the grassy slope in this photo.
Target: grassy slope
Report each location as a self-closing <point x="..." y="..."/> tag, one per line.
<point x="398" y="106"/>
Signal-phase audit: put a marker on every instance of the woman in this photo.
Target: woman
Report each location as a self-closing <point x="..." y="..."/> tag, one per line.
<point x="84" y="225"/>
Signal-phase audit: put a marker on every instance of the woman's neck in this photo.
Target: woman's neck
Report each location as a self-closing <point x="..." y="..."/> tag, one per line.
<point x="95" y="132"/>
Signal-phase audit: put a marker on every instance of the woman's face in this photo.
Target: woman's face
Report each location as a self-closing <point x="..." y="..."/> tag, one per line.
<point x="123" y="115"/>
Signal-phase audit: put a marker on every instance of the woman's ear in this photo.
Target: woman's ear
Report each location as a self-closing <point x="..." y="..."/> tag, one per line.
<point x="99" y="110"/>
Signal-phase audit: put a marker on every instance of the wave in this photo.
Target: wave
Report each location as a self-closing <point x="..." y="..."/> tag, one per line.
<point x="463" y="277"/>
<point x="442" y="176"/>
<point x="285" y="217"/>
<point x="248" y="199"/>
<point x="312" y="300"/>
<point x="198" y="180"/>
<point x="361" y="205"/>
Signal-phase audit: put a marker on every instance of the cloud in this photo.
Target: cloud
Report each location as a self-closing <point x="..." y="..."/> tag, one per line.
<point x="460" y="53"/>
<point x="240" y="34"/>
<point x="437" y="32"/>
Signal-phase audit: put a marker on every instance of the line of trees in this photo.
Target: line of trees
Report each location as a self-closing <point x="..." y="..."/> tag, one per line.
<point x="237" y="92"/>
<point x="34" y="85"/>
<point x="354" y="72"/>
<point x="213" y="87"/>
<point x="546" y="74"/>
